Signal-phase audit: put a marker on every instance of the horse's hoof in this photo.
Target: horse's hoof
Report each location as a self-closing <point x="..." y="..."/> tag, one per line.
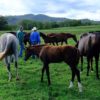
<point x="80" y="72"/>
<point x="49" y="84"/>
<point x="17" y="78"/>
<point x="71" y="85"/>
<point x="9" y="80"/>
<point x="80" y="87"/>
<point x="97" y="77"/>
<point x="92" y="71"/>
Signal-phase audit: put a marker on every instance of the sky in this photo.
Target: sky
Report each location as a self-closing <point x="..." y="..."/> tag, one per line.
<point x="73" y="9"/>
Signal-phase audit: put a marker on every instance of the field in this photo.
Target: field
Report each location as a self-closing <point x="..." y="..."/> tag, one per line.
<point x="29" y="86"/>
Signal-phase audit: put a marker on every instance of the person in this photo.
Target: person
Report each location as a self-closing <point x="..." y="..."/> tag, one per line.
<point x="34" y="36"/>
<point x="20" y="36"/>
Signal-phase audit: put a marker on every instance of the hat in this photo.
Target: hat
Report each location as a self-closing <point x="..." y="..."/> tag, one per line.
<point x="34" y="29"/>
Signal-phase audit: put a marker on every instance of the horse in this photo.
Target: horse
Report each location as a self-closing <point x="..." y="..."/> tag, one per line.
<point x="82" y="50"/>
<point x="27" y="38"/>
<point x="49" y="39"/>
<point x="89" y="46"/>
<point x="62" y="37"/>
<point x="8" y="47"/>
<point x="33" y="49"/>
<point x="14" y="33"/>
<point x="55" y="54"/>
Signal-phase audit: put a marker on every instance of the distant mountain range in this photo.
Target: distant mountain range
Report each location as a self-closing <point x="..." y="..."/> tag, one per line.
<point x="41" y="18"/>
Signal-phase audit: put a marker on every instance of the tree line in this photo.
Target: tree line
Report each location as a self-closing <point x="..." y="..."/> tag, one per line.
<point x="29" y="24"/>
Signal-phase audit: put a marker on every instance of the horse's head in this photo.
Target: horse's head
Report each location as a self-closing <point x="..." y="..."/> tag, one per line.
<point x="42" y="34"/>
<point x="28" y="53"/>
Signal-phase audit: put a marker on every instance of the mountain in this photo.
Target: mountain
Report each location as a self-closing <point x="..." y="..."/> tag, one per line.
<point x="39" y="17"/>
<point x="42" y="18"/>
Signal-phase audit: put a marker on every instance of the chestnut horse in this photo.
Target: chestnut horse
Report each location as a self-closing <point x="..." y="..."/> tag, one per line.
<point x="54" y="54"/>
<point x="62" y="37"/>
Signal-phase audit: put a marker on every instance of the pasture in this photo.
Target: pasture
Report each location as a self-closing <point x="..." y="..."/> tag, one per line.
<point x="29" y="86"/>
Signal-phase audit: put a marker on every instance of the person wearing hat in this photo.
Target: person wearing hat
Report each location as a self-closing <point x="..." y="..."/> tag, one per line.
<point x="34" y="36"/>
<point x="20" y="36"/>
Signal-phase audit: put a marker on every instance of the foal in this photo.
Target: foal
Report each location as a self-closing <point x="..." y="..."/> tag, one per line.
<point x="54" y="54"/>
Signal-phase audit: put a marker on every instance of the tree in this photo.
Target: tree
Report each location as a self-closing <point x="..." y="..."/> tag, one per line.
<point x="3" y="23"/>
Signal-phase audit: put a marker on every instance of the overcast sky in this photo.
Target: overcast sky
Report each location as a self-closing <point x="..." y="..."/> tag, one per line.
<point x="74" y="9"/>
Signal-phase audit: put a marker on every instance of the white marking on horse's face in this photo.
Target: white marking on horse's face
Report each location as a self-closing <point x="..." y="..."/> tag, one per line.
<point x="80" y="87"/>
<point x="71" y="85"/>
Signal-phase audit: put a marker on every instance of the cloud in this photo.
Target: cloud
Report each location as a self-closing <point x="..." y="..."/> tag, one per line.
<point x="75" y="9"/>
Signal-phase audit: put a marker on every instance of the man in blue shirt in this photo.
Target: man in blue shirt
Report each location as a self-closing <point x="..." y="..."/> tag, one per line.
<point x="34" y="36"/>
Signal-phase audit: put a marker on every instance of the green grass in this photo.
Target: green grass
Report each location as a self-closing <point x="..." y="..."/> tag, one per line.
<point x="29" y="86"/>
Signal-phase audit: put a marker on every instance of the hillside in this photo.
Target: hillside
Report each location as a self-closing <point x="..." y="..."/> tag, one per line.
<point x="42" y="18"/>
<point x="39" y="17"/>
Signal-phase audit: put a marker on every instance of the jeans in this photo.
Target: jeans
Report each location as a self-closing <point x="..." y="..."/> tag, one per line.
<point x="21" y="49"/>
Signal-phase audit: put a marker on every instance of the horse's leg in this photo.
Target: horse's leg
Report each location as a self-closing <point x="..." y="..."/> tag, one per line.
<point x="88" y="67"/>
<point x="77" y="72"/>
<point x="16" y="65"/>
<point x="53" y="43"/>
<point x="81" y="63"/>
<point x="96" y="60"/>
<point x="91" y="64"/>
<point x="43" y="69"/>
<point x="48" y="73"/>
<point x="72" y="80"/>
<point x="8" y="67"/>
<point x="66" y="42"/>
<point x="61" y="42"/>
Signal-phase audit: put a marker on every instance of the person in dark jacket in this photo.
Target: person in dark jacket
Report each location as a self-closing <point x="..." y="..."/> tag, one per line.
<point x="20" y="36"/>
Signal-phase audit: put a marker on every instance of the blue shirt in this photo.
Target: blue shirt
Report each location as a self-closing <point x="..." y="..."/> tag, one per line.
<point x="35" y="37"/>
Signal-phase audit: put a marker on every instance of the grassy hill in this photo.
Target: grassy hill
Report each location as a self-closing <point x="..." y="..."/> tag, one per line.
<point x="29" y="86"/>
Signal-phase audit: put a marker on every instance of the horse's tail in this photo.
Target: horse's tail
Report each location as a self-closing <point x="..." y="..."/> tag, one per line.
<point x="2" y="55"/>
<point x="90" y="43"/>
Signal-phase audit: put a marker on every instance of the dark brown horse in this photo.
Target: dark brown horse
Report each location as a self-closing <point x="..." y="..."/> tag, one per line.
<point x="54" y="54"/>
<point x="63" y="37"/>
<point x="89" y="46"/>
<point x="27" y="38"/>
<point x="49" y="39"/>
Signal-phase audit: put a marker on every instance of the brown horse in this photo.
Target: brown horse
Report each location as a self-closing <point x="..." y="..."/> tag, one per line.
<point x="89" y="46"/>
<point x="49" y="39"/>
<point x="62" y="37"/>
<point x="54" y="54"/>
<point x="34" y="49"/>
